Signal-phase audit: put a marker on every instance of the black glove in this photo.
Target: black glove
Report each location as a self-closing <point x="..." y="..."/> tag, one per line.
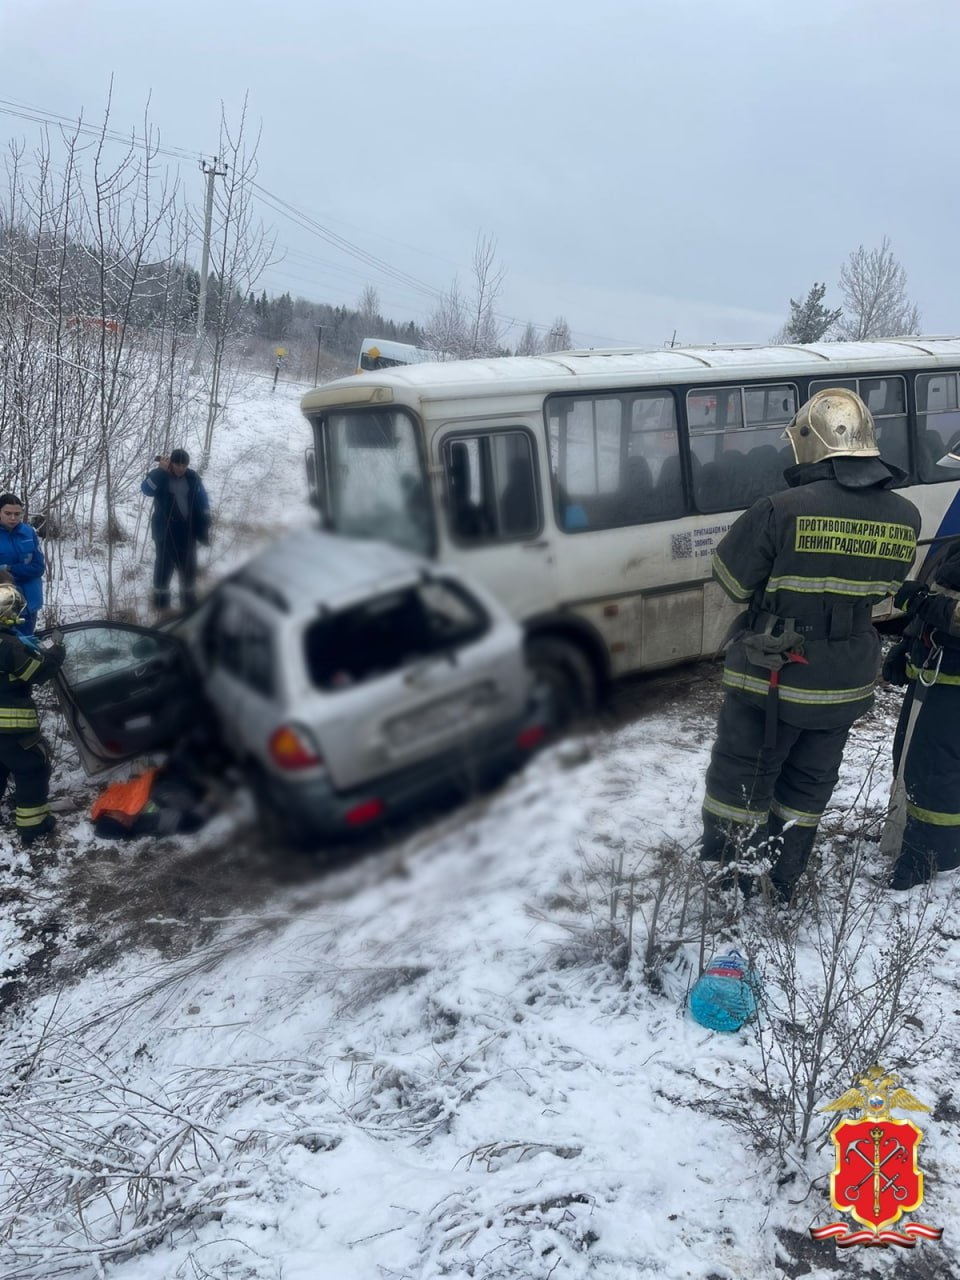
<point x="910" y="595"/>
<point x="56" y="653"/>
<point x="948" y="573"/>
<point x="895" y="663"/>
<point x="938" y="611"/>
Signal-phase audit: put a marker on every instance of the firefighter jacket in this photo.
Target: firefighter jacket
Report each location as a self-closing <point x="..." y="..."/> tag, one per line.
<point x="21" y="667"/>
<point x="930" y="738"/>
<point x="933" y="632"/>
<point x="811" y="562"/>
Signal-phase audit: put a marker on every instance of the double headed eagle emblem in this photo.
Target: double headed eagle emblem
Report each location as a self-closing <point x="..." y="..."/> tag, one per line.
<point x="876" y="1094"/>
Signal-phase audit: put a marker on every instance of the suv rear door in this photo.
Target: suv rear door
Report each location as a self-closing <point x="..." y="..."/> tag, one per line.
<point x="418" y="672"/>
<point x="125" y="691"/>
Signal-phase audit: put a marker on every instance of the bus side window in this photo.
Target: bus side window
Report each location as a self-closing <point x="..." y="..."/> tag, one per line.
<point x="938" y="420"/>
<point x="738" y="443"/>
<point x="491" y="485"/>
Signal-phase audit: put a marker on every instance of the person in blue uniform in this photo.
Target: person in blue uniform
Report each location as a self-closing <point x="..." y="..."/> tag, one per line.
<point x="22" y="557"/>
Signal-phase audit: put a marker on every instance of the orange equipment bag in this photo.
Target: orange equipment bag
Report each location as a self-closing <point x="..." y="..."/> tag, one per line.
<point x="124" y="801"/>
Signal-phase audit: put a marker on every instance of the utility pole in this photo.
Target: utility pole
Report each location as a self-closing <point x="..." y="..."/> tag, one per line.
<point x="211" y="172"/>
<point x="316" y="372"/>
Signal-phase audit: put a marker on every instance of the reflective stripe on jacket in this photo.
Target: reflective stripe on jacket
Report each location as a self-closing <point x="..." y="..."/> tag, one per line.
<point x="21" y="667"/>
<point x="819" y="555"/>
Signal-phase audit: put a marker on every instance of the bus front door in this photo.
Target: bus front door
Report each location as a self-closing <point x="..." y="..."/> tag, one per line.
<point x="494" y="515"/>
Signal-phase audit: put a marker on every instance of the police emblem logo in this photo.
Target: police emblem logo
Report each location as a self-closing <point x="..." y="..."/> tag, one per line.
<point x="876" y="1178"/>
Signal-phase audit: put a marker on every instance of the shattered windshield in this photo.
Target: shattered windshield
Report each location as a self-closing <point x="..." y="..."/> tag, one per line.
<point x="376" y="487"/>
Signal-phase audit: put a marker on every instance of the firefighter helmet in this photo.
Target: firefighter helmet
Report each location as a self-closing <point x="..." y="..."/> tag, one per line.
<point x="834" y="423"/>
<point x="12" y="603"/>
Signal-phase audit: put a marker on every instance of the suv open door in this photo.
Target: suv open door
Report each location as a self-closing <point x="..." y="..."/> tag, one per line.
<point x="125" y="691"/>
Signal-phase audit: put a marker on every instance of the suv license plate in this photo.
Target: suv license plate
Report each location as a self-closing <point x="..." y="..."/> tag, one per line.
<point x="438" y="718"/>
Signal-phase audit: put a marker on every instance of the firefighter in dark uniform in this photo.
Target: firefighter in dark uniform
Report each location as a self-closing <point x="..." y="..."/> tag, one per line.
<point x="23" y="752"/>
<point x="928" y="658"/>
<point x="810" y="563"/>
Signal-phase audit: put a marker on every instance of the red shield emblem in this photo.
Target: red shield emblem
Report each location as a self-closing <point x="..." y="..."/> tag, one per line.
<point x="876" y="1178"/>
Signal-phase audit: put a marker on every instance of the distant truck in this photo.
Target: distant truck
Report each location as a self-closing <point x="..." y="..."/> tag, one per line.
<point x="381" y="353"/>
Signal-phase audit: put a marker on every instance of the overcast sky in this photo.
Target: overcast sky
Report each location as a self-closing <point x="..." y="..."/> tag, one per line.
<point x="644" y="167"/>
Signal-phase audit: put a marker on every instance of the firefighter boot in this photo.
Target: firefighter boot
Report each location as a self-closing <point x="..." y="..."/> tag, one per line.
<point x="725" y="843"/>
<point x="795" y="844"/>
<point x="925" y="850"/>
<point x="30" y="835"/>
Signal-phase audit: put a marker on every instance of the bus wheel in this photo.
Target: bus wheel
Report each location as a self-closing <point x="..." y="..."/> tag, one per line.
<point x="565" y="675"/>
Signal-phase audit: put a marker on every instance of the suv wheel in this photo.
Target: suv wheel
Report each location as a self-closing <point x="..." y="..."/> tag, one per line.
<point x="277" y="828"/>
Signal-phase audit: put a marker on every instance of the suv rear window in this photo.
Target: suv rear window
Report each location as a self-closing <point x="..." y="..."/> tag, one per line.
<point x="389" y="632"/>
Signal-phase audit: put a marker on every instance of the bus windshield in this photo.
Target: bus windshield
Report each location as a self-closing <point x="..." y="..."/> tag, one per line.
<point x="375" y="479"/>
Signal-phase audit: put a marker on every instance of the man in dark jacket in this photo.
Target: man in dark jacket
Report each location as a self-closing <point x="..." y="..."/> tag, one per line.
<point x="181" y="519"/>
<point x="810" y="563"/>
<point x="928" y="657"/>
<point x="23" y="751"/>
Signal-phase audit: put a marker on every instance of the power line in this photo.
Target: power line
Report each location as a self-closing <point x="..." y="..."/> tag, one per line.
<point x="276" y="204"/>
<point x="40" y="115"/>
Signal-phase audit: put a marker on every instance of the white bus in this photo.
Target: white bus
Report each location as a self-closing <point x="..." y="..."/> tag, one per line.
<point x="589" y="489"/>
<point x="380" y="353"/>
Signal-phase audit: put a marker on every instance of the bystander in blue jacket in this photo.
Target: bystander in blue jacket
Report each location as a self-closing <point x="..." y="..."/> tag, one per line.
<point x="22" y="558"/>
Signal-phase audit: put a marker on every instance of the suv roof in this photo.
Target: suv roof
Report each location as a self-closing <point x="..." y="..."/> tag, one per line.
<point x="309" y="569"/>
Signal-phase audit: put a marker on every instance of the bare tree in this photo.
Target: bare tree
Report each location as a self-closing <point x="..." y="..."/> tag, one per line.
<point x="531" y="343"/>
<point x="874" y="289"/>
<point x="240" y="252"/>
<point x="488" y="277"/>
<point x="369" y="308"/>
<point x="85" y="270"/>
<point x="446" y="330"/>
<point x="559" y="339"/>
<point x="465" y="327"/>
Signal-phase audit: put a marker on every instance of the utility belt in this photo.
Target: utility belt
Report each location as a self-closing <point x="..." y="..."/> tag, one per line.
<point x="771" y="641"/>
<point x="839" y="622"/>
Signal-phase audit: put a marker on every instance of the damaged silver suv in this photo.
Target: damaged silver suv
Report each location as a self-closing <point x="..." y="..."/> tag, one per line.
<point x="352" y="681"/>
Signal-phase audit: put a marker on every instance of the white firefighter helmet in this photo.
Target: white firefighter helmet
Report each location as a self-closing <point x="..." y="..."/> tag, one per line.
<point x="12" y="603"/>
<point x="834" y="423"/>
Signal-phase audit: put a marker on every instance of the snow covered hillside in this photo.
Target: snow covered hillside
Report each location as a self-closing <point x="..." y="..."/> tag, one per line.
<point x="465" y="1053"/>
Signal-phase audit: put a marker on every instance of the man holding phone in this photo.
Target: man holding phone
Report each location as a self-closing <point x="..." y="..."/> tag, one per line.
<point x="181" y="520"/>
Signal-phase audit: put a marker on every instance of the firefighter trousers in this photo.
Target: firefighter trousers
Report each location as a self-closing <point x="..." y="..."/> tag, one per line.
<point x="755" y="792"/>
<point x="931" y="776"/>
<point x="25" y="756"/>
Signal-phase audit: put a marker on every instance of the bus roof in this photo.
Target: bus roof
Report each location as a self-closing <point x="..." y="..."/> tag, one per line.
<point x="617" y="367"/>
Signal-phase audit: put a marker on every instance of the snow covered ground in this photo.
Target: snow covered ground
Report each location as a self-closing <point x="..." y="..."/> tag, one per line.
<point x="466" y="1053"/>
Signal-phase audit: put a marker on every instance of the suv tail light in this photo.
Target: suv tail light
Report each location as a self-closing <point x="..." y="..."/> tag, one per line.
<point x="531" y="737"/>
<point x="291" y="747"/>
